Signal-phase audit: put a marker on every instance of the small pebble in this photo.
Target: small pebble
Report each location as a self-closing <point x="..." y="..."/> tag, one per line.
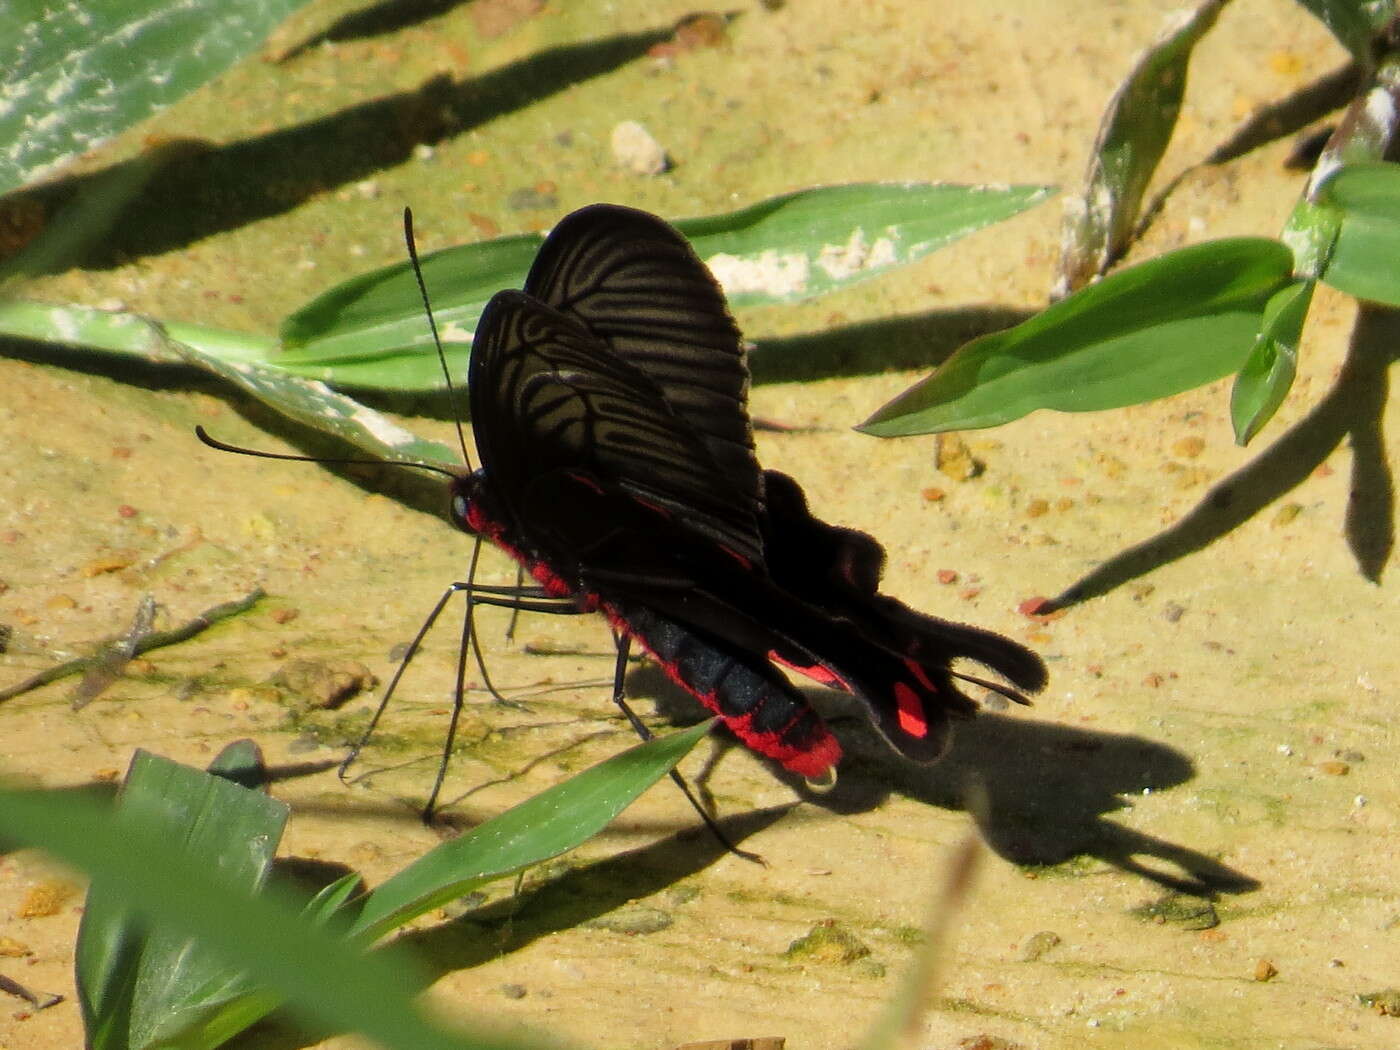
<point x="636" y="150"/>
<point x="634" y="920"/>
<point x="1188" y="447"/>
<point x="1039" y="944"/>
<point x="1334" y="768"/>
<point x="513" y="991"/>
<point x="1265" y="970"/>
<point x="954" y="459"/>
<point x="827" y="942"/>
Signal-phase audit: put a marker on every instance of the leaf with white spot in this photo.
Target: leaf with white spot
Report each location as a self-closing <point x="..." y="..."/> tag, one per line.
<point x="73" y="73"/>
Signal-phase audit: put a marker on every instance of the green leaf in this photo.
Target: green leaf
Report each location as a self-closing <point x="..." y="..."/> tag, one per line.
<point x="148" y="987"/>
<point x="542" y="827"/>
<point x="1353" y="22"/>
<point x="370" y="331"/>
<point x="76" y="73"/>
<point x="141" y="982"/>
<point x="1133" y="135"/>
<point x="1152" y="330"/>
<point x="1365" y="260"/>
<point x="149" y="872"/>
<point x="1267" y="375"/>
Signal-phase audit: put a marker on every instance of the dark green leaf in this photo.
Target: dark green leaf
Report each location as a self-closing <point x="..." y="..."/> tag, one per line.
<point x="153" y="875"/>
<point x="140" y="982"/>
<point x="1149" y="331"/>
<point x="1267" y="375"/>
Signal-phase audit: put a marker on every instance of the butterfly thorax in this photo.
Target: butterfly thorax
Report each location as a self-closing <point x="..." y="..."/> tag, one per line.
<point x="475" y="510"/>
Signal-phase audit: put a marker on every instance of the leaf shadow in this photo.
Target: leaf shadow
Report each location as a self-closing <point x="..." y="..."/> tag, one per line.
<point x="883" y="345"/>
<point x="202" y="190"/>
<point x="376" y="19"/>
<point x="1354" y="408"/>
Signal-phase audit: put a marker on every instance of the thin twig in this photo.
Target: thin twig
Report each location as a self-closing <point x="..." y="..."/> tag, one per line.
<point x="144" y="644"/>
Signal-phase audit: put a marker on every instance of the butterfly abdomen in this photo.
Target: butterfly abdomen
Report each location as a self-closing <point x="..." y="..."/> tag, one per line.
<point x="753" y="700"/>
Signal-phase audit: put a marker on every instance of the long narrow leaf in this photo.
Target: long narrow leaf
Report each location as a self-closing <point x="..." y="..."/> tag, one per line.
<point x="1133" y="135"/>
<point x="370" y="331"/>
<point x="542" y="827"/>
<point x="74" y="74"/>
<point x="1149" y="331"/>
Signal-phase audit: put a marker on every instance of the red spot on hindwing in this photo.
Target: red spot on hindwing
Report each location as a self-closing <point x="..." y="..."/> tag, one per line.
<point x="911" y="711"/>
<point x="918" y="672"/>
<point x="816" y="672"/>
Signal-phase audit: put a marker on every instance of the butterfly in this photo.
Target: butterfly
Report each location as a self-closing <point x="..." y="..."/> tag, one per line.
<point x="608" y="402"/>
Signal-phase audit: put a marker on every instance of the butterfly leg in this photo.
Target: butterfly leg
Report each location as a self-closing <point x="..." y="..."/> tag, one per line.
<point x="624" y="648"/>
<point x="525" y="599"/>
<point x="518" y="599"/>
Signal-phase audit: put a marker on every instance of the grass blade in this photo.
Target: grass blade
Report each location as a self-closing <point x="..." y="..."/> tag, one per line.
<point x="542" y="827"/>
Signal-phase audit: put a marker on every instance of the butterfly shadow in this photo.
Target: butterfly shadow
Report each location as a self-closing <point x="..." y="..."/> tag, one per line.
<point x="1354" y="410"/>
<point x="1039" y="792"/>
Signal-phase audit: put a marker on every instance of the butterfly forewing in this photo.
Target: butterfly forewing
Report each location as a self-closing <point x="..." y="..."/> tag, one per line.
<point x="547" y="395"/>
<point x="636" y="284"/>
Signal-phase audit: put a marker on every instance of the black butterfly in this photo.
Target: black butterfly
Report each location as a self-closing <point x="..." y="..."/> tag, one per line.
<point x="618" y="467"/>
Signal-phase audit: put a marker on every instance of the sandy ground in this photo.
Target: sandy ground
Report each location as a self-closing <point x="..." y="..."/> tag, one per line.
<point x="1203" y="795"/>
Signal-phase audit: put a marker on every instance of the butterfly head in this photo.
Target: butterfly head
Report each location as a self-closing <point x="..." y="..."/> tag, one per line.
<point x="472" y="505"/>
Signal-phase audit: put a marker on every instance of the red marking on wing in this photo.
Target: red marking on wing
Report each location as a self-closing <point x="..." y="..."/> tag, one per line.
<point x="816" y="672"/>
<point x="911" y="711"/>
<point x="918" y="672"/>
<point x="587" y="482"/>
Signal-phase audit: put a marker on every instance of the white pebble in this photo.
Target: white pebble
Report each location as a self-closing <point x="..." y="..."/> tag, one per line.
<point x="635" y="149"/>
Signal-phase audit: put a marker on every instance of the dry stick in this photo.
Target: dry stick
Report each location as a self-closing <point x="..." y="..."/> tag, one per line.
<point x="113" y="657"/>
<point x="38" y="1000"/>
<point x="144" y="644"/>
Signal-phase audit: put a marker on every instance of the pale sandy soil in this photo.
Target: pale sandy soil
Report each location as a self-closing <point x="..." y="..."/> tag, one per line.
<point x="1221" y="709"/>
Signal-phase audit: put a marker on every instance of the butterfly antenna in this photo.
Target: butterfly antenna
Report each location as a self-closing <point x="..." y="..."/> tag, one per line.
<point x="432" y="325"/>
<point x="366" y="461"/>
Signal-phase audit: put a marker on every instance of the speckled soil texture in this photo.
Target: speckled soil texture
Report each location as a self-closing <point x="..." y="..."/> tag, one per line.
<point x="1192" y="837"/>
